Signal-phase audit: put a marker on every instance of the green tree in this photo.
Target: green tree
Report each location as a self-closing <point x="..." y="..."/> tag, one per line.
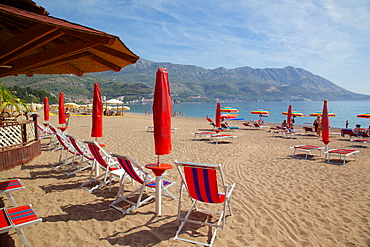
<point x="8" y="99"/>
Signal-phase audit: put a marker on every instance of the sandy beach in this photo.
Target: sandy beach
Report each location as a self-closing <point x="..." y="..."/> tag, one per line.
<point x="278" y="200"/>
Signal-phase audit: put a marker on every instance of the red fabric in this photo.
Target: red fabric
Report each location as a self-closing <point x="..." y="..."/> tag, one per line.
<point x="97" y="113"/>
<point x="289" y="117"/>
<point x="46" y="109"/>
<point x="3" y="220"/>
<point x="21" y="214"/>
<point x="325" y="124"/>
<point x="11" y="184"/>
<point x="62" y="116"/>
<point x="218" y="115"/>
<point x="162" y="111"/>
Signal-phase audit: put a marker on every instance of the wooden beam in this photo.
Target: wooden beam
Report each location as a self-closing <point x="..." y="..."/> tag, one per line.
<point x="105" y="63"/>
<point x="73" y="69"/>
<point x="25" y="38"/>
<point x="115" y="53"/>
<point x="30" y="47"/>
<point x="97" y="36"/>
<point x="40" y="59"/>
<point x="64" y="60"/>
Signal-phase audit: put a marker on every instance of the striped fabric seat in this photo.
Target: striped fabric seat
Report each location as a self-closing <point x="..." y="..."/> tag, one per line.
<point x="202" y="184"/>
<point x="102" y="159"/>
<point x="11" y="185"/>
<point x="84" y="154"/>
<point x="16" y="218"/>
<point x="200" y="181"/>
<point x="22" y="215"/>
<point x="144" y="179"/>
<point x="8" y="187"/>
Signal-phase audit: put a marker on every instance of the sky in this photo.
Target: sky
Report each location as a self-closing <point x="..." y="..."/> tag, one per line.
<point x="329" y="38"/>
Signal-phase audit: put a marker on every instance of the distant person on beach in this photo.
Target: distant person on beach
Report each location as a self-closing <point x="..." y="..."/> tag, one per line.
<point x="68" y="116"/>
<point x="357" y="130"/>
<point x="318" y="126"/>
<point x="346" y="124"/>
<point x="284" y="124"/>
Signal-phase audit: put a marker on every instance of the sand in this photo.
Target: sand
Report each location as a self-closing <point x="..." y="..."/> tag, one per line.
<point x="278" y="200"/>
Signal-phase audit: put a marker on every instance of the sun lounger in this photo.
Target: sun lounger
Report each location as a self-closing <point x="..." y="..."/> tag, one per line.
<point x="199" y="135"/>
<point x="201" y="184"/>
<point x="16" y="218"/>
<point x="362" y="141"/>
<point x="306" y="149"/>
<point x="218" y="137"/>
<point x="7" y="187"/>
<point x="341" y="153"/>
<point x="227" y="127"/>
<point x="259" y="126"/>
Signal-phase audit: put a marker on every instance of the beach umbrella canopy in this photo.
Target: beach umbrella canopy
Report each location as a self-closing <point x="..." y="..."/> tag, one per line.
<point x="46" y="109"/>
<point x="61" y="112"/>
<point x="162" y="111"/>
<point x="97" y="113"/>
<point x="325" y="125"/>
<point x="71" y="105"/>
<point x="229" y="109"/>
<point x="260" y="112"/>
<point x="319" y="113"/>
<point x="364" y="115"/>
<point x="294" y="114"/>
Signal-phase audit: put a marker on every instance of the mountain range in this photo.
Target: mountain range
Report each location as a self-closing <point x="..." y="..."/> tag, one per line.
<point x="192" y="83"/>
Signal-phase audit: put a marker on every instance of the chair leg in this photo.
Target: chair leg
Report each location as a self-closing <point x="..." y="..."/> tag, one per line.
<point x="11" y="198"/>
<point x="22" y="237"/>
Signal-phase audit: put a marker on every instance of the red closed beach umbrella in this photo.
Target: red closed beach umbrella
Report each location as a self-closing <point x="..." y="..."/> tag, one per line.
<point x="46" y="109"/>
<point x="218" y="115"/>
<point x="61" y="112"/>
<point x="97" y="113"/>
<point x="325" y="125"/>
<point x="162" y="111"/>
<point x="289" y="117"/>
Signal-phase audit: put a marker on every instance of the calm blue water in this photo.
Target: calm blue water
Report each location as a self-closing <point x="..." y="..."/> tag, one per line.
<point x="345" y="110"/>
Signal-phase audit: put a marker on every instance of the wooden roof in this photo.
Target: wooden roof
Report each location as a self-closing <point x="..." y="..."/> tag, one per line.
<point x="31" y="42"/>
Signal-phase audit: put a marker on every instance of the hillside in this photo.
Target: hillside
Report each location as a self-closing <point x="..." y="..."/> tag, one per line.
<point x="192" y="83"/>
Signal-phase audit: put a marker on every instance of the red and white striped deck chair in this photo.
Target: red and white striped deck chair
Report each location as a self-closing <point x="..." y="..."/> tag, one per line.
<point x="46" y="133"/>
<point x="85" y="154"/>
<point x="68" y="154"/>
<point x="7" y="187"/>
<point x="144" y="179"/>
<point x="112" y="168"/>
<point x="200" y="180"/>
<point x="16" y="218"/>
<point x="55" y="131"/>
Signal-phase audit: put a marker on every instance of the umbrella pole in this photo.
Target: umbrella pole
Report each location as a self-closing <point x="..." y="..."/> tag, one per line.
<point x="158" y="189"/>
<point x="97" y="173"/>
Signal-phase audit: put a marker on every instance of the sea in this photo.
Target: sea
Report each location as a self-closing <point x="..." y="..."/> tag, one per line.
<point x="344" y="110"/>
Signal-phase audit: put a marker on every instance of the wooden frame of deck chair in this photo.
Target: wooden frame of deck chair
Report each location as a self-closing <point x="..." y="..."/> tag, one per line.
<point x="138" y="174"/>
<point x="67" y="154"/>
<point x="7" y="187"/>
<point x="108" y="163"/>
<point x="200" y="180"/>
<point x="85" y="154"/>
<point x="16" y="218"/>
